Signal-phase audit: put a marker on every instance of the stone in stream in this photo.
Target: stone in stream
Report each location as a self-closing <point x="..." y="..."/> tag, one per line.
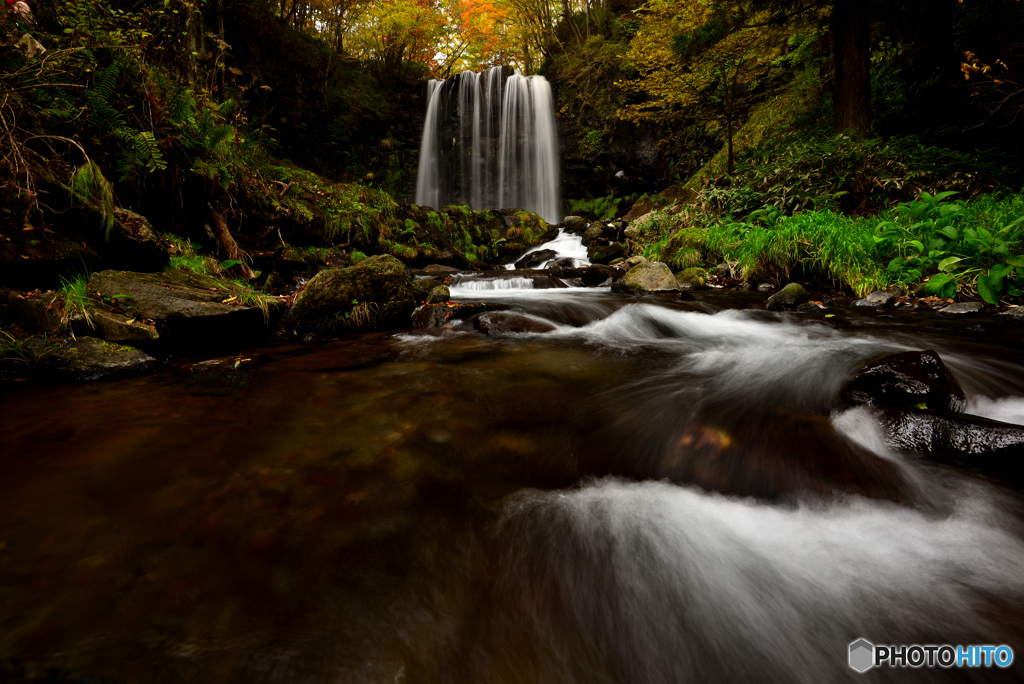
<point x="876" y="298"/>
<point x="692" y="278"/>
<point x="577" y="225"/>
<point x="603" y="254"/>
<point x="440" y="315"/>
<point x="647" y="278"/>
<point x="1014" y="314"/>
<point x="773" y="455"/>
<point x="597" y="274"/>
<point x="962" y="309"/>
<point x="439" y="269"/>
<point x="505" y="322"/>
<point x="85" y="359"/>
<point x="439" y="295"/>
<point x="375" y="294"/>
<point x="535" y="259"/>
<point x="916" y="379"/>
<point x="789" y="297"/>
<point x="990" y="446"/>
<point x="595" y="231"/>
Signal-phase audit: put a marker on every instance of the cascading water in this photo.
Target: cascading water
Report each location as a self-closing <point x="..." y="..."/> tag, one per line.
<point x="489" y="141"/>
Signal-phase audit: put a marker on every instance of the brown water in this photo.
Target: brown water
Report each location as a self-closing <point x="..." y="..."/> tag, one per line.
<point x="472" y="509"/>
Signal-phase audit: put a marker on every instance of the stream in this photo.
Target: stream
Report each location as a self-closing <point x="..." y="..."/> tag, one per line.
<point x="654" y="491"/>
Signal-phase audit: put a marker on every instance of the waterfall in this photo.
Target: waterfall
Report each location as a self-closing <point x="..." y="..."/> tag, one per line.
<point x="489" y="141"/>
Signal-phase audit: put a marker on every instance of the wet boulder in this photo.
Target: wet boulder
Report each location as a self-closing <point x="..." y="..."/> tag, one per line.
<point x="775" y="455"/>
<point x="375" y="294"/>
<point x="86" y="359"/>
<point x="577" y="225"/>
<point x="595" y="231"/>
<point x="535" y="259"/>
<point x="439" y="295"/>
<point x="604" y="254"/>
<point x="692" y="278"/>
<point x="876" y="298"/>
<point x="597" y="274"/>
<point x="441" y="315"/>
<point x="962" y="309"/>
<point x="647" y="278"/>
<point x="789" y="297"/>
<point x="990" y="446"/>
<point x="915" y="379"/>
<point x="506" y="322"/>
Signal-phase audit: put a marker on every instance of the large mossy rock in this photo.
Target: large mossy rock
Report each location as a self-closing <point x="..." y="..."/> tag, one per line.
<point x="376" y="294"/>
<point x="916" y="379"/>
<point x="86" y="359"/>
<point x="789" y="297"/>
<point x="649" y="277"/>
<point x="190" y="311"/>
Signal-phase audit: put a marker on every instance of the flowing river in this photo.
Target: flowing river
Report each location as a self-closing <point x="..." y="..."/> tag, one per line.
<point x="654" y="491"/>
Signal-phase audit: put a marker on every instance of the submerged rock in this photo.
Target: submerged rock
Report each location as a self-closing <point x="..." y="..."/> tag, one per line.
<point x="789" y="297"/>
<point x="440" y="315"/>
<point x="909" y="379"/>
<point x="772" y="455"/>
<point x="991" y="446"/>
<point x="375" y="294"/>
<point x="86" y="359"/>
<point x="647" y="278"/>
<point x="504" y="322"/>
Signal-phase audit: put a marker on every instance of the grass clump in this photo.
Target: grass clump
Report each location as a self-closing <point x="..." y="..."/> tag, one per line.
<point x="73" y="300"/>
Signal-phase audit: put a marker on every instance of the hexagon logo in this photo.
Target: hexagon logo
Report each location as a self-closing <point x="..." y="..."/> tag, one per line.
<point x="862" y="655"/>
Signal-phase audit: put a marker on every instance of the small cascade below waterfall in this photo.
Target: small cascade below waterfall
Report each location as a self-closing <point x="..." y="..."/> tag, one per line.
<point x="565" y="245"/>
<point x="489" y="141"/>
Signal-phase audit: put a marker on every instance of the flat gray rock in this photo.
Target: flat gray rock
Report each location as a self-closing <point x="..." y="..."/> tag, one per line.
<point x="963" y="308"/>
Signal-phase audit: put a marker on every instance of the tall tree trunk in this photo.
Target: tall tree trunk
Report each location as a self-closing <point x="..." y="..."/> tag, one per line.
<point x="850" y="27"/>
